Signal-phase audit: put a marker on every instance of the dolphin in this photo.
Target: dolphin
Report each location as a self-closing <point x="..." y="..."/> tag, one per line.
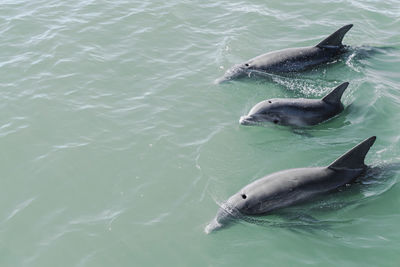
<point x="289" y="187"/>
<point x="296" y="112"/>
<point x="291" y="59"/>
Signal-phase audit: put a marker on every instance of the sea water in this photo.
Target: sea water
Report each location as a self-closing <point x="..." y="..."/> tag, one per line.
<point x="117" y="147"/>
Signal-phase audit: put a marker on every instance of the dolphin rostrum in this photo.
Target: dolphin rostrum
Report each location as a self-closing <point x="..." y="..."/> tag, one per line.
<point x="289" y="187"/>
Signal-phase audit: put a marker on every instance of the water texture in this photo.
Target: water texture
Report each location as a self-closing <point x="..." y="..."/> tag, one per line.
<point x="116" y="145"/>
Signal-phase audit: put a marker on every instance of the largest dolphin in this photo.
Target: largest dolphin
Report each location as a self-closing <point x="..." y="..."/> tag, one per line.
<point x="288" y="187"/>
<point x="291" y="59"/>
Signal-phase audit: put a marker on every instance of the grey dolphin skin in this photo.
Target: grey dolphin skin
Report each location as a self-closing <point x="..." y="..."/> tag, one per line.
<point x="291" y="59"/>
<point x="296" y="112"/>
<point x="289" y="187"/>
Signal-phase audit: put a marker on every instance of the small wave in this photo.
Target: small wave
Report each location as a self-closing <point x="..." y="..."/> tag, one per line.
<point x="20" y="207"/>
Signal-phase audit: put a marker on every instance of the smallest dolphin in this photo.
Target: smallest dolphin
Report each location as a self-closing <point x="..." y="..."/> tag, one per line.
<point x="296" y="112"/>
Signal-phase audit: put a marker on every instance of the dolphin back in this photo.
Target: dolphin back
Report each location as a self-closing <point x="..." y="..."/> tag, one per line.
<point x="354" y="158"/>
<point x="335" y="39"/>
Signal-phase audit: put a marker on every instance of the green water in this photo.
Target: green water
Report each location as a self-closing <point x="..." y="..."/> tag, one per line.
<point x="116" y="146"/>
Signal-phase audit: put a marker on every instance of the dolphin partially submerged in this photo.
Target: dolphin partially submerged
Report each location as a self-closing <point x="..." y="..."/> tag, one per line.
<point x="292" y="59"/>
<point x="289" y="187"/>
<point x="296" y="112"/>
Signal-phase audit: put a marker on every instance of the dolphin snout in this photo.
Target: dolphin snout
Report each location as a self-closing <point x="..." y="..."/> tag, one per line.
<point x="245" y="120"/>
<point x="212" y="226"/>
<point x="236" y="72"/>
<point x="222" y="219"/>
<point x="221" y="80"/>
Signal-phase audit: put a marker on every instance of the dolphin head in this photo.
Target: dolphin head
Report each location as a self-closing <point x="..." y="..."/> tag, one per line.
<point x="232" y="209"/>
<point x="236" y="72"/>
<point x="265" y="111"/>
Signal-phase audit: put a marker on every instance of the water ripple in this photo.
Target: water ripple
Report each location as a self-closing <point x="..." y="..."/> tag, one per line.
<point x="20" y="207"/>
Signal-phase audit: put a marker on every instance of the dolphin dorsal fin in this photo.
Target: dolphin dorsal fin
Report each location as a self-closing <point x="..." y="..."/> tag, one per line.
<point x="336" y="94"/>
<point x="354" y="158"/>
<point x="335" y="39"/>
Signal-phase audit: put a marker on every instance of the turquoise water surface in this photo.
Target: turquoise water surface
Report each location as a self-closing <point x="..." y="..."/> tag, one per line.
<point x="117" y="146"/>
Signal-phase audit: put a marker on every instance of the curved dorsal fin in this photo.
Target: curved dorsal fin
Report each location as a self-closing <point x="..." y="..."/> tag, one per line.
<point x="335" y="39"/>
<point x="354" y="158"/>
<point x="336" y="94"/>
